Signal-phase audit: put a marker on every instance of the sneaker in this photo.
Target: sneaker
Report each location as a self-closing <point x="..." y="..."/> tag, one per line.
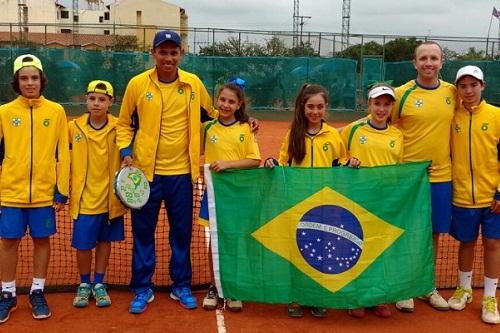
<point x="490" y="310"/>
<point x="357" y="313"/>
<point x="295" y="310"/>
<point x="436" y="300"/>
<point x="81" y="299"/>
<point x="383" y="311"/>
<point x="39" y="307"/>
<point x="8" y="303"/>
<point x="140" y="301"/>
<point x="406" y="305"/>
<point x="461" y="297"/>
<point x="211" y="299"/>
<point x="234" y="305"/>
<point x="101" y="296"/>
<point x="318" y="312"/>
<point x="184" y="296"/>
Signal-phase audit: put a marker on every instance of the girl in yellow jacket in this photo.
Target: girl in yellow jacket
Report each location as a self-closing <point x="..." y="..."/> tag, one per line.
<point x="96" y="211"/>
<point x="475" y="138"/>
<point x="310" y="142"/>
<point x="33" y="181"/>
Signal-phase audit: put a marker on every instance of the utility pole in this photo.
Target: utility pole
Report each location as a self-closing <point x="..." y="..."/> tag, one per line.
<point x="346" y="18"/>
<point x="296" y="24"/>
<point x="22" y="17"/>
<point x="302" y="26"/>
<point x="76" y="24"/>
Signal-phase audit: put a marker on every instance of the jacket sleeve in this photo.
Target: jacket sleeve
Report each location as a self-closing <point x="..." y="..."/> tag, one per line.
<point x="62" y="163"/>
<point x="124" y="128"/>
<point x="283" y="159"/>
<point x="207" y="110"/>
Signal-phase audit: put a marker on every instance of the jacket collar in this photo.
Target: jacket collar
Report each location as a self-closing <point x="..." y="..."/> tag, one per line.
<point x="29" y="102"/>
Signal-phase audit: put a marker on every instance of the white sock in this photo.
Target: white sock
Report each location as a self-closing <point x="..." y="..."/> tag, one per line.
<point x="465" y="279"/>
<point x="10" y="287"/>
<point x="490" y="287"/>
<point x="37" y="284"/>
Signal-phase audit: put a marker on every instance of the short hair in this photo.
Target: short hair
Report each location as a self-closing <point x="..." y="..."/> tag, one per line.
<point x="15" y="82"/>
<point x="428" y="42"/>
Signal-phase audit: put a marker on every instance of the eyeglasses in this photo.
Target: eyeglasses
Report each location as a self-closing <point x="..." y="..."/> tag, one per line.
<point x="238" y="81"/>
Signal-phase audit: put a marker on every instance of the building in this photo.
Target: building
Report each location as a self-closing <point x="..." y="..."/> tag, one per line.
<point x="25" y="20"/>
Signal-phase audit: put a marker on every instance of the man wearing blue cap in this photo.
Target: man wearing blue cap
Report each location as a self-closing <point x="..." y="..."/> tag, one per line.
<point x="158" y="131"/>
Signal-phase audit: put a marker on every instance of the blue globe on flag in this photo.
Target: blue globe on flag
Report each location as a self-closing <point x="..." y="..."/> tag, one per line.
<point x="330" y="239"/>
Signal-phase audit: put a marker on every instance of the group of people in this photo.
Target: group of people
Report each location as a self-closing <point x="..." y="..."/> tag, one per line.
<point x="167" y="122"/>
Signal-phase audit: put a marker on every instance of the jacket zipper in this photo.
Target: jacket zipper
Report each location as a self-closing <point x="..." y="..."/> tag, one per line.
<point x="31" y="153"/>
<point x="80" y="195"/>
<point x="470" y="159"/>
<point x="312" y="151"/>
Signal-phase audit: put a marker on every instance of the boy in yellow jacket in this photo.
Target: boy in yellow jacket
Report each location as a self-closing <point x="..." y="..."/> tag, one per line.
<point x="96" y="211"/>
<point x="475" y="139"/>
<point x="34" y="180"/>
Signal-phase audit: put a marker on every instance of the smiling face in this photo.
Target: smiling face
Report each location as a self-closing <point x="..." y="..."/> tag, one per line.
<point x="428" y="61"/>
<point x="380" y="109"/>
<point x="30" y="82"/>
<point x="227" y="104"/>
<point x="167" y="57"/>
<point x="314" y="111"/>
<point x="98" y="104"/>
<point x="470" y="90"/>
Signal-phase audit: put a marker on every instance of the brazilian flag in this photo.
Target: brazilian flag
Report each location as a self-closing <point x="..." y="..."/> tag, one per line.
<point x="330" y="237"/>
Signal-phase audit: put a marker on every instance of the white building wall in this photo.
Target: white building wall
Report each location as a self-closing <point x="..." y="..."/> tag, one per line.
<point x="39" y="11"/>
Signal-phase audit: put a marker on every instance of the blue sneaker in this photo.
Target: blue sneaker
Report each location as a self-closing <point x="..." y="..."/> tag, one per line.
<point x="140" y="302"/>
<point x="184" y="296"/>
<point x="39" y="307"/>
<point x="8" y="303"/>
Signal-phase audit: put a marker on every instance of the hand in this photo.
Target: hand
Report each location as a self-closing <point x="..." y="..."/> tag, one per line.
<point x="495" y="206"/>
<point x="219" y="166"/>
<point x="254" y="124"/>
<point x="354" y="163"/>
<point x="127" y="161"/>
<point x="430" y="169"/>
<point x="270" y="162"/>
<point x="58" y="206"/>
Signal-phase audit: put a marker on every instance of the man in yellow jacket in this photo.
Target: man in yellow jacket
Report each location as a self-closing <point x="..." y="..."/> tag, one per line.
<point x="34" y="180"/>
<point x="475" y="139"/>
<point x="158" y="131"/>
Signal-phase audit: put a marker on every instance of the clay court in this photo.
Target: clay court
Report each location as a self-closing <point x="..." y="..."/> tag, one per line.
<point x="165" y="315"/>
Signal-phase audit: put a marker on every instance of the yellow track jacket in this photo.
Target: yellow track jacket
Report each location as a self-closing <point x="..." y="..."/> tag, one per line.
<point x="79" y="158"/>
<point x="35" y="165"/>
<point x="474" y="145"/>
<point x="140" y="118"/>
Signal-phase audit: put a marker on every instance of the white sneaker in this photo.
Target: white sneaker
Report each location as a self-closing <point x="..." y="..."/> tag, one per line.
<point x="406" y="305"/>
<point x="461" y="297"/>
<point x="490" y="311"/>
<point x="211" y="299"/>
<point x="436" y="301"/>
<point x="234" y="305"/>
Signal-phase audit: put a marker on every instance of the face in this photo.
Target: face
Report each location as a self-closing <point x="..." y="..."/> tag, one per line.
<point x="98" y="104"/>
<point x="380" y="109"/>
<point x="315" y="109"/>
<point x="30" y="82"/>
<point x="470" y="90"/>
<point x="167" y="57"/>
<point x="428" y="61"/>
<point x="227" y="104"/>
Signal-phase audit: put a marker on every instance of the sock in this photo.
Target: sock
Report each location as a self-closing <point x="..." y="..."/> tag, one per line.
<point x="465" y="279"/>
<point x="98" y="278"/>
<point x="85" y="278"/>
<point x="37" y="284"/>
<point x="490" y="287"/>
<point x="10" y="287"/>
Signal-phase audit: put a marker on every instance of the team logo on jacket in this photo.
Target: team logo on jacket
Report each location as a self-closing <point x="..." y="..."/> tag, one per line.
<point x="325" y="147"/>
<point x="242" y="137"/>
<point x="192" y="96"/>
<point x="484" y="127"/>
<point x="392" y="143"/>
<point x="363" y="139"/>
<point x="419" y="103"/>
<point x="180" y="91"/>
<point x="458" y="129"/>
<point x="46" y="122"/>
<point x="448" y="100"/>
<point x="16" y="122"/>
<point x="78" y="137"/>
<point x="149" y="96"/>
<point x="213" y="139"/>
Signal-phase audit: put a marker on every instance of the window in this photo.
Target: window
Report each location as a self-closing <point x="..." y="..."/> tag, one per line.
<point x="106" y="16"/>
<point x="75" y="18"/>
<point x="106" y="32"/>
<point x="101" y="19"/>
<point x="64" y="14"/>
<point x="65" y="31"/>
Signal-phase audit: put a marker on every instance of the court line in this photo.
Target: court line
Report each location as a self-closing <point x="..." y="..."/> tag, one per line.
<point x="221" y="326"/>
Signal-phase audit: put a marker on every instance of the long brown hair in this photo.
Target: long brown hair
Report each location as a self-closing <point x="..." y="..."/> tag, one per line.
<point x="241" y="114"/>
<point x="298" y="130"/>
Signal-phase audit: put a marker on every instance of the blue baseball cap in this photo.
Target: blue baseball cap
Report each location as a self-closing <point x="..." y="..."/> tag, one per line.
<point x="166" y="36"/>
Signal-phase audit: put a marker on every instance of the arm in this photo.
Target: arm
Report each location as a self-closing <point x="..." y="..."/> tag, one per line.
<point x="62" y="164"/>
<point x="207" y="110"/>
<point x="219" y="166"/>
<point x="124" y="126"/>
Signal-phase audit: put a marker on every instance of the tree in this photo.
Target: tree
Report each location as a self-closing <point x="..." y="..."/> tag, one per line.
<point x="472" y="54"/>
<point x="233" y="46"/>
<point x="401" y="49"/>
<point x="355" y="51"/>
<point x="125" y="43"/>
<point x="276" y="47"/>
